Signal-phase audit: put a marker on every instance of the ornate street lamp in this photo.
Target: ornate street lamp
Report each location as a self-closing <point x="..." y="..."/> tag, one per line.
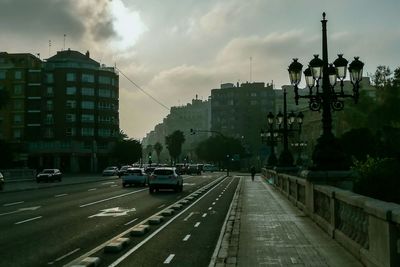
<point x="327" y="154"/>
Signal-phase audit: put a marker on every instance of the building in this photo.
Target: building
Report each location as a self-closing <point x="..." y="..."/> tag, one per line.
<point x="195" y="115"/>
<point x="241" y="112"/>
<point x="65" y="110"/>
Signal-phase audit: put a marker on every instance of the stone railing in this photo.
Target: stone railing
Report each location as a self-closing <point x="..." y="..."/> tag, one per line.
<point x="368" y="228"/>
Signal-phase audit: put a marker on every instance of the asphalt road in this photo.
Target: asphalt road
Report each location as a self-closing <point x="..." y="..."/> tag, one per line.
<point x="54" y="226"/>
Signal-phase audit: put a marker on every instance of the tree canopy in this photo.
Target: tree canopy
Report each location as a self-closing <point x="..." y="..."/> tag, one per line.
<point x="216" y="148"/>
<point x="158" y="148"/>
<point x="127" y="151"/>
<point x="174" y="143"/>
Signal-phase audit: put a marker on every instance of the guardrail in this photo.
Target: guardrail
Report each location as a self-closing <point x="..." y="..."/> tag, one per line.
<point x="368" y="228"/>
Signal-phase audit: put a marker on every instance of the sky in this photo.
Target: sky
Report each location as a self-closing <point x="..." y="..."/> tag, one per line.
<point x="177" y="49"/>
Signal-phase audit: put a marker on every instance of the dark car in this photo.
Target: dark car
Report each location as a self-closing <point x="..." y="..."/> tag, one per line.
<point x="48" y="175"/>
<point x="193" y="169"/>
<point x="1" y="181"/>
<point x="123" y="169"/>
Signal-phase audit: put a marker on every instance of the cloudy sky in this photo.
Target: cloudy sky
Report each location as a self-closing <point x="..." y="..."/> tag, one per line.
<point x="175" y="49"/>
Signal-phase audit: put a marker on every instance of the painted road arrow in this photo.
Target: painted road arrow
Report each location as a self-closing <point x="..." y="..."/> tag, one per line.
<point x="20" y="210"/>
<point x="113" y="212"/>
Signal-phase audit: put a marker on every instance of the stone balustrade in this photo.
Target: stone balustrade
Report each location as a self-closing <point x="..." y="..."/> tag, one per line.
<point x="366" y="227"/>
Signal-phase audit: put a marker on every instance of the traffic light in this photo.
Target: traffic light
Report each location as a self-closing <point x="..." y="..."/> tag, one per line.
<point x="150" y="159"/>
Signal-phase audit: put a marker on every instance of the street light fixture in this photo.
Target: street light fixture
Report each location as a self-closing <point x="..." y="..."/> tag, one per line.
<point x="327" y="154"/>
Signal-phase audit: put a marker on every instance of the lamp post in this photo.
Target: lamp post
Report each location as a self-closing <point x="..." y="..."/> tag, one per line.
<point x="327" y="154"/>
<point x="269" y="137"/>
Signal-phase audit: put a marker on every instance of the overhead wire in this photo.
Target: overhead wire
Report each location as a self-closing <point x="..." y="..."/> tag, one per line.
<point x="141" y="89"/>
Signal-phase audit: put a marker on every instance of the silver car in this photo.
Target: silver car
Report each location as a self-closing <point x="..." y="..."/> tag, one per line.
<point x="134" y="176"/>
<point x="165" y="178"/>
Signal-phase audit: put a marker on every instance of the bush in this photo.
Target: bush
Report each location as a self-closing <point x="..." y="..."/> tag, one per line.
<point x="378" y="178"/>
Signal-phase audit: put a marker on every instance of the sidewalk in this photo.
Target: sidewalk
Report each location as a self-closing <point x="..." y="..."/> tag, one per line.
<point x="265" y="229"/>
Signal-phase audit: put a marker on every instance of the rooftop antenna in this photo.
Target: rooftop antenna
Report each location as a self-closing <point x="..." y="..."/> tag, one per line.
<point x="251" y="61"/>
<point x="64" y="41"/>
<point x="49" y="47"/>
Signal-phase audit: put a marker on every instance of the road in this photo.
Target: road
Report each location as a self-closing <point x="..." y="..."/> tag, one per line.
<point x="64" y="224"/>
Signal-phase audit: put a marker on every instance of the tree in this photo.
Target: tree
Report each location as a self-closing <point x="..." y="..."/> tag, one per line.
<point x="158" y="148"/>
<point x="174" y="143"/>
<point x="218" y="148"/>
<point x="127" y="151"/>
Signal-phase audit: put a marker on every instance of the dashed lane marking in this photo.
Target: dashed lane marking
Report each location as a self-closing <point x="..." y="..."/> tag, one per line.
<point x="162" y="206"/>
<point x="110" y="198"/>
<point x="61" y="195"/>
<point x="28" y="220"/>
<point x="131" y="221"/>
<point x="13" y="203"/>
<point x="63" y="257"/>
<point x="197" y="224"/>
<point x="169" y="259"/>
<point x="187" y="218"/>
<point x="92" y="189"/>
<point x="186" y="238"/>
<point x="204" y="215"/>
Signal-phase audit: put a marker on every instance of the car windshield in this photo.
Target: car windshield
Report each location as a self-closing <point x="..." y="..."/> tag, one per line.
<point x="134" y="171"/>
<point x="48" y="171"/>
<point x="163" y="172"/>
<point x="111" y="168"/>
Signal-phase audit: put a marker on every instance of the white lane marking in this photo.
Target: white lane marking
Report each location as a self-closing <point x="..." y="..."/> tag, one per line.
<point x="13" y="203"/>
<point x="210" y="208"/>
<point x="186" y="238"/>
<point x="108" y="183"/>
<point x="19" y="210"/>
<point x="217" y="199"/>
<point x="162" y="206"/>
<point x="197" y="224"/>
<point x="61" y="195"/>
<point x="187" y="218"/>
<point x="213" y="203"/>
<point x="114" y="185"/>
<point x="92" y="189"/>
<point x="113" y="212"/>
<point x="28" y="220"/>
<point x="128" y="253"/>
<point x="131" y="221"/>
<point x="106" y="199"/>
<point x="169" y="259"/>
<point x="68" y="254"/>
<point x="204" y="215"/>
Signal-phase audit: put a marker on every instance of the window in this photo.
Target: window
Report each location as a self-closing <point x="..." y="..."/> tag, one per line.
<point x="87" y="118"/>
<point x="70" y="117"/>
<point x="2" y="74"/>
<point x="87" y="132"/>
<point x="70" y="132"/>
<point x="70" y="77"/>
<point x="105" y="119"/>
<point x="253" y="94"/>
<point x="17" y="133"/>
<point x="48" y="133"/>
<point x="17" y="89"/>
<point x="104" y="80"/>
<point x="87" y="91"/>
<point x="87" y="105"/>
<point x="104" y="92"/>
<point x="49" y="91"/>
<point x="70" y="104"/>
<point x="49" y="104"/>
<point x="17" y="119"/>
<point x="49" y="77"/>
<point x="18" y="75"/>
<point x="49" y="119"/>
<point x="18" y="104"/>
<point x="104" y="132"/>
<point x="253" y="102"/>
<point x="87" y="78"/>
<point x="71" y="91"/>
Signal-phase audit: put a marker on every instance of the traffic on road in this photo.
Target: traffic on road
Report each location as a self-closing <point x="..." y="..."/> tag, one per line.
<point x="102" y="221"/>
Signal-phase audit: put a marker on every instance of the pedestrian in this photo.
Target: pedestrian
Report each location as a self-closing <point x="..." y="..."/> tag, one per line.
<point x="253" y="172"/>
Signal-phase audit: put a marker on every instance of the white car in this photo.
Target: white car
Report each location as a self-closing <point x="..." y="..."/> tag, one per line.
<point x="165" y="178"/>
<point x="134" y="176"/>
<point x="110" y="171"/>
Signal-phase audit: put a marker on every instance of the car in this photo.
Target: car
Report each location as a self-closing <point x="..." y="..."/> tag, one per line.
<point x="1" y="181"/>
<point x="123" y="169"/>
<point x="165" y="178"/>
<point x="209" y="168"/>
<point x="134" y="176"/>
<point x="48" y="175"/>
<point x="110" y="171"/>
<point x="149" y="170"/>
<point x="193" y="169"/>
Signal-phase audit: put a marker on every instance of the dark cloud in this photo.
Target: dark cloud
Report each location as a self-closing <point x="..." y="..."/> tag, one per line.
<point x="40" y="18"/>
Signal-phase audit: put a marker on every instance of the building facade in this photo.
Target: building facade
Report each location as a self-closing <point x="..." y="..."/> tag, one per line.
<point x="241" y="112"/>
<point x="68" y="110"/>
